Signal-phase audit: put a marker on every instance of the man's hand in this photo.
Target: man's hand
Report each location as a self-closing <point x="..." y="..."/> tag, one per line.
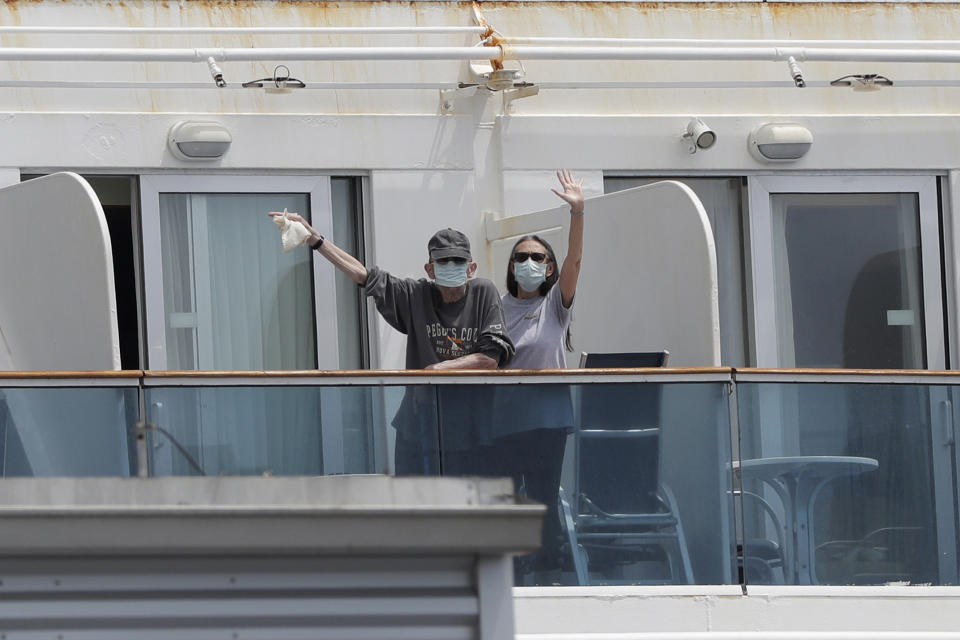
<point x="470" y="361"/>
<point x="337" y="256"/>
<point x="572" y="191"/>
<point x="296" y="217"/>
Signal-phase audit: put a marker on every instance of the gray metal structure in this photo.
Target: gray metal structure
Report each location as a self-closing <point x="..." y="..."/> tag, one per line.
<point x="344" y="557"/>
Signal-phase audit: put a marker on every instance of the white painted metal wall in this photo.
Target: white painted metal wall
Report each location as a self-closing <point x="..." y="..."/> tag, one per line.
<point x="724" y="613"/>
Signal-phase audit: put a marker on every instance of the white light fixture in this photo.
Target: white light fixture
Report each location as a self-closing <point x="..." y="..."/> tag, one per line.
<point x="699" y="135"/>
<point x="198" y="140"/>
<point x="779" y="142"/>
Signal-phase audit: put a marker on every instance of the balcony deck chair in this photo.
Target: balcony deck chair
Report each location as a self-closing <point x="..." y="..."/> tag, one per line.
<point x="622" y="523"/>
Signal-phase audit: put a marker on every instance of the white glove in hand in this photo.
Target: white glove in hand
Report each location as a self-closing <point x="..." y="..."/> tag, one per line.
<point x="292" y="233"/>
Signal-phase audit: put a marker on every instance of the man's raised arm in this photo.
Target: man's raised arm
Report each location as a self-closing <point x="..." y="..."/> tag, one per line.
<point x="337" y="256"/>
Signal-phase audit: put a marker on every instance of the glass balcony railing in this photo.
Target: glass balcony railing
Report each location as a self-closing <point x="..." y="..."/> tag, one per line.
<point x="671" y="476"/>
<point x="848" y="483"/>
<point x="61" y="426"/>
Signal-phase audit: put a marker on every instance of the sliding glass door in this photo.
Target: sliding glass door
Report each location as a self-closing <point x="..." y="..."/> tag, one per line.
<point x="221" y="295"/>
<point x="846" y="272"/>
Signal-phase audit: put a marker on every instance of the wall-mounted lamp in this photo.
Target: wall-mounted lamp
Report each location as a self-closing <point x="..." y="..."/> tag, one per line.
<point x="779" y="142"/>
<point x="198" y="140"/>
<point x="699" y="135"/>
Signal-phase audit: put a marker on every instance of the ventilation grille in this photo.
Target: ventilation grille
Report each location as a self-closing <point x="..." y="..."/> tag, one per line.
<point x="239" y="598"/>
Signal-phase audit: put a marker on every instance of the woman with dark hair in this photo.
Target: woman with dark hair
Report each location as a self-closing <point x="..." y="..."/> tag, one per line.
<point x="536" y="312"/>
<point x="531" y="422"/>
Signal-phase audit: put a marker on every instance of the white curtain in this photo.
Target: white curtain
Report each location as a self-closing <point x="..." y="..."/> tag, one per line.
<point x="783" y="290"/>
<point x="234" y="301"/>
<point x="178" y="304"/>
<point x="249" y="305"/>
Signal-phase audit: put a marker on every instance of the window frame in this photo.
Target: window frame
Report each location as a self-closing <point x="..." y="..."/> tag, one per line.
<point x="324" y="292"/>
<point x="761" y="260"/>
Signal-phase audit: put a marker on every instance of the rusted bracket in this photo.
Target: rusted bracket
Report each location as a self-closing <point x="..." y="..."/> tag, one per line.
<point x="863" y="82"/>
<point x="490" y="74"/>
<point x="521" y="90"/>
<point x="488" y="37"/>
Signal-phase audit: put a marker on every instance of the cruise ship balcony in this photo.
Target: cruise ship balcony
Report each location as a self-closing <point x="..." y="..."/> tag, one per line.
<point x="662" y="477"/>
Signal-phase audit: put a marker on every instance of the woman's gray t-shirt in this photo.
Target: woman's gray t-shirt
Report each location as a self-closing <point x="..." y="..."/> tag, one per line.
<point x="537" y="327"/>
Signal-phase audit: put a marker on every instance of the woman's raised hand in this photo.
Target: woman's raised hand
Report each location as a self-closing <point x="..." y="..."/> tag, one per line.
<point x="572" y="191"/>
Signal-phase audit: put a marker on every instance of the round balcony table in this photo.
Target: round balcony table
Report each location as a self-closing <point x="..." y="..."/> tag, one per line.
<point x="797" y="481"/>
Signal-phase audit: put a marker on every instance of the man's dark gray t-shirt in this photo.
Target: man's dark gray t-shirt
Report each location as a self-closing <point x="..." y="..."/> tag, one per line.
<point x="438" y="331"/>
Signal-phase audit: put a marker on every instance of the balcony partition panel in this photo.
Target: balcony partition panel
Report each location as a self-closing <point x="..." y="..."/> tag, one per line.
<point x="846" y="483"/>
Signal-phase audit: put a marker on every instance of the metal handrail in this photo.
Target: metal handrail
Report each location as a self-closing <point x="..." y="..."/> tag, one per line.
<point x="497" y="376"/>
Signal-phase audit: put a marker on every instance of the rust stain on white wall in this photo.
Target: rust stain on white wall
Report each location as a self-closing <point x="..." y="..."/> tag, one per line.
<point x="747" y="20"/>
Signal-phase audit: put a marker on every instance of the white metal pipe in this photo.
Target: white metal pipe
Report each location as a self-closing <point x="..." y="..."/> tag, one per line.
<point x="720" y="84"/>
<point x="35" y="54"/>
<point x="433" y="86"/>
<point x="289" y="54"/>
<point x="151" y="85"/>
<point x="721" y="42"/>
<point x="769" y="54"/>
<point x="236" y="30"/>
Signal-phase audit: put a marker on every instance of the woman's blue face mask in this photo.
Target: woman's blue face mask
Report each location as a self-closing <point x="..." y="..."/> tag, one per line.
<point x="529" y="274"/>
<point x="450" y="273"/>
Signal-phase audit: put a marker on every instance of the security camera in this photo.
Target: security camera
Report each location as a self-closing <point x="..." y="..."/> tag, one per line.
<point x="699" y="135"/>
<point x="198" y="140"/>
<point x="779" y="142"/>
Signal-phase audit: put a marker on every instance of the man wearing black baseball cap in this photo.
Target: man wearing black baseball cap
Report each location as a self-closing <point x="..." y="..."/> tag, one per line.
<point x="452" y="321"/>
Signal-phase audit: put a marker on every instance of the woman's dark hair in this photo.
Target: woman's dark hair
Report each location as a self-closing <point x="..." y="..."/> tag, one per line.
<point x="546" y="285"/>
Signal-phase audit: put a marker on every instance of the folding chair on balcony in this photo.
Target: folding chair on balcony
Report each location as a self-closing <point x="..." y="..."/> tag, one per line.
<point x="763" y="559"/>
<point x="622" y="523"/>
<point x="634" y="360"/>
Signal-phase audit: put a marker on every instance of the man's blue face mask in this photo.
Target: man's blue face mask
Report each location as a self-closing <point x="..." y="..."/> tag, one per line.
<point x="450" y="273"/>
